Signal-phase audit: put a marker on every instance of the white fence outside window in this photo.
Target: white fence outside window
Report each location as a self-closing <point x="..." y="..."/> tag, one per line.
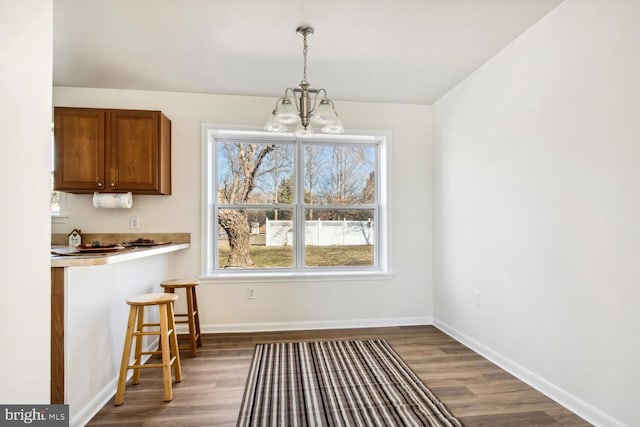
<point x="322" y="233"/>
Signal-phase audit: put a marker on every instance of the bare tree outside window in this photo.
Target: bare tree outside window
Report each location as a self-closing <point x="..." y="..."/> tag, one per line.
<point x="244" y="168"/>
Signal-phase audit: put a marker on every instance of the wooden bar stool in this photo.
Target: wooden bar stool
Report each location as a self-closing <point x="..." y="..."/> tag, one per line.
<point x="192" y="316"/>
<point x="168" y="339"/>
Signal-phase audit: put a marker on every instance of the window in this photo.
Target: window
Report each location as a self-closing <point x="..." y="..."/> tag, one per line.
<point x="280" y="204"/>
<point x="57" y="202"/>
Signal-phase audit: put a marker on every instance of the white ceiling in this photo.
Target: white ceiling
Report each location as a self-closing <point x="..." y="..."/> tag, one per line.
<point x="401" y="51"/>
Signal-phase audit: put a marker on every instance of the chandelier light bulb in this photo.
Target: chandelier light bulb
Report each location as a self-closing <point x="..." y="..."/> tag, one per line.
<point x="273" y="125"/>
<point x="324" y="113"/>
<point x="286" y="113"/>
<point x="334" y="128"/>
<point x="301" y="131"/>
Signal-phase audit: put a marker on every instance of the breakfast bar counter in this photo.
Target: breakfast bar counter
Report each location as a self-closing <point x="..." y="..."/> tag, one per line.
<point x="126" y="254"/>
<point x="89" y="316"/>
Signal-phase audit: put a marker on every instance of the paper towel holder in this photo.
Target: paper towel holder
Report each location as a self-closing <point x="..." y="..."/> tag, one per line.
<point x="113" y="200"/>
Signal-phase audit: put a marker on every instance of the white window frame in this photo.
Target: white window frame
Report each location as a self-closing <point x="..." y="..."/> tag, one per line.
<point x="57" y="217"/>
<point x="211" y="132"/>
<point x="61" y="216"/>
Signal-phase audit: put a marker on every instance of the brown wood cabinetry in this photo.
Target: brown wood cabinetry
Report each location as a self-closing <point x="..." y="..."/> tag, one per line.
<point x="112" y="151"/>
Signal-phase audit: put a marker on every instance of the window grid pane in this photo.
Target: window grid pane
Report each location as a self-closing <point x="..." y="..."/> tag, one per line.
<point x="254" y="173"/>
<point x="344" y="238"/>
<point x="263" y="239"/>
<point x="339" y="174"/>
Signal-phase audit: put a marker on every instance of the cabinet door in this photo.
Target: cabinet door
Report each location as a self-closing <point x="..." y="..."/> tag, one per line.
<point x="133" y="151"/>
<point x="79" y="145"/>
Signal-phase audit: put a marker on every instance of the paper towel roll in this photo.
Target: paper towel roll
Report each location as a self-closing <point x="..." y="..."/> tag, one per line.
<point x="113" y="200"/>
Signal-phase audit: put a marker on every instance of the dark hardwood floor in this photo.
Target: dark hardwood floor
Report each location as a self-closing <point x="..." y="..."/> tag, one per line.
<point x="476" y="391"/>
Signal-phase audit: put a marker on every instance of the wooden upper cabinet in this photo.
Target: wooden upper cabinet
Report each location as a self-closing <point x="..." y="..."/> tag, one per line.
<point x="79" y="149"/>
<point x="112" y="150"/>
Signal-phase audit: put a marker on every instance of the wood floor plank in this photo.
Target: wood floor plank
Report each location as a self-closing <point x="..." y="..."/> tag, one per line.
<point x="476" y="391"/>
<point x="533" y="418"/>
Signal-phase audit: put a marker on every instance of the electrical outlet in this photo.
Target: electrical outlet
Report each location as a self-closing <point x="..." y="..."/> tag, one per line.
<point x="134" y="222"/>
<point x="251" y="293"/>
<point x="476" y="298"/>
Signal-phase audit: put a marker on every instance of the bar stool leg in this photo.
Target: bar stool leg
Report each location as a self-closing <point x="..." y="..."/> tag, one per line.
<point x="159" y="349"/>
<point x="166" y="358"/>
<point x="126" y="355"/>
<point x="138" y="350"/>
<point x="177" y="366"/>
<point x="191" y="320"/>
<point x="196" y="316"/>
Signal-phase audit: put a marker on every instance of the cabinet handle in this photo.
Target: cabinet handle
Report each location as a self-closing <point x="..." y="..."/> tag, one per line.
<point x="113" y="184"/>
<point x="99" y="184"/>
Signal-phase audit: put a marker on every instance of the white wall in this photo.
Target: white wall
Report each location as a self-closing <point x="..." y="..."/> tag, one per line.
<point x="404" y="298"/>
<point x="25" y="121"/>
<point x="537" y="207"/>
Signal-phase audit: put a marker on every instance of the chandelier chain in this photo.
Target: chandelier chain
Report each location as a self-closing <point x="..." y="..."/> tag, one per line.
<point x="305" y="50"/>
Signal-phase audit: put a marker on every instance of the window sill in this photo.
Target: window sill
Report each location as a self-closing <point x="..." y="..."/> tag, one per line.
<point x="280" y="277"/>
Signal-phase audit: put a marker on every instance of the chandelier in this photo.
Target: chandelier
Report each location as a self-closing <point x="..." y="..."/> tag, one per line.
<point x="300" y="107"/>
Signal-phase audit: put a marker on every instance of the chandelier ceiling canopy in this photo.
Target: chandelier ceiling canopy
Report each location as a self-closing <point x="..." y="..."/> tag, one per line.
<point x="303" y="107"/>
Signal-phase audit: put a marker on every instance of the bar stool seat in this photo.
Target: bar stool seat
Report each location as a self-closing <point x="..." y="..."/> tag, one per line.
<point x="192" y="316"/>
<point x="136" y="328"/>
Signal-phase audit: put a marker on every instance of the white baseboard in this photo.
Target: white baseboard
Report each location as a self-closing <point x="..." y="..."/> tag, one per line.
<point x="566" y="399"/>
<point x="85" y="414"/>
<point x="310" y="325"/>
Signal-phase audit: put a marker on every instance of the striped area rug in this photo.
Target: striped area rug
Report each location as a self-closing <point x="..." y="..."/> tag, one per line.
<point x="337" y="383"/>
